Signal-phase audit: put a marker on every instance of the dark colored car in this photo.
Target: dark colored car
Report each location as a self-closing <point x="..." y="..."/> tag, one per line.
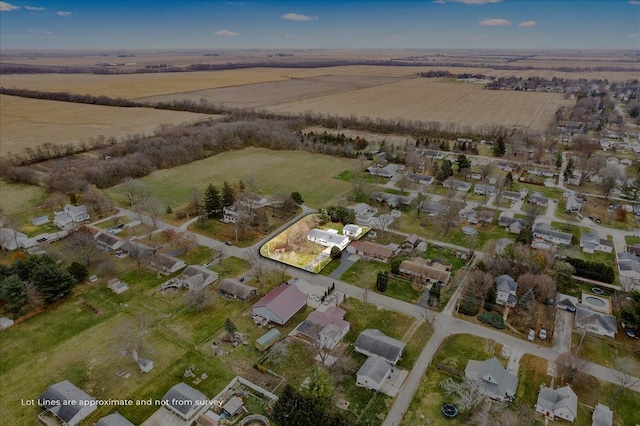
<point x="229" y="243"/>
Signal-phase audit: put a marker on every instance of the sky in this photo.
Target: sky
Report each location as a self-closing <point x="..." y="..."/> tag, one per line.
<point x="331" y="24"/>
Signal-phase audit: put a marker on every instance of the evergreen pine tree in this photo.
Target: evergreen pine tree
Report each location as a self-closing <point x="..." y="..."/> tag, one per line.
<point x="14" y="293"/>
<point x="228" y="195"/>
<point x="212" y="203"/>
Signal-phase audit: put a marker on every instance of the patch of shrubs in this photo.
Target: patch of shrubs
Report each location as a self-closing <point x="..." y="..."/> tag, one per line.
<point x="493" y="319"/>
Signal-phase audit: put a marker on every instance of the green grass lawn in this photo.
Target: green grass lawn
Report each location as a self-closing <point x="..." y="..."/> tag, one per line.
<point x="402" y="290"/>
<point x="331" y="266"/>
<point x="532" y="372"/>
<point x="625" y="405"/>
<point x="230" y="267"/>
<point x="275" y="172"/>
<point x="428" y="400"/>
<point x="363" y="316"/>
<point x="21" y="203"/>
<point x="364" y="273"/>
<point x="605" y="350"/>
<point x="351" y="175"/>
<point x="631" y="240"/>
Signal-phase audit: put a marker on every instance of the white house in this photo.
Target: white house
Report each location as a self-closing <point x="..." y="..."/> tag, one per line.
<point x="596" y="322"/>
<point x="506" y="288"/>
<point x="373" y="373"/>
<point x="352" y="231"/>
<point x="591" y="242"/>
<point x="230" y="214"/>
<point x="545" y="232"/>
<point x="10" y="239"/>
<point x="75" y="214"/>
<point x="561" y="402"/>
<point x="328" y="238"/>
<point x="325" y="328"/>
<point x="67" y="402"/>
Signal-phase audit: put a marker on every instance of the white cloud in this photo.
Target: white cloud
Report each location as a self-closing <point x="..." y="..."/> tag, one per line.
<point x="494" y="22"/>
<point x="6" y="7"/>
<point x="226" y="33"/>
<point x="63" y="13"/>
<point x="34" y="8"/>
<point x="634" y="2"/>
<point x="527" y="24"/>
<point x="298" y="17"/>
<point x="235" y="3"/>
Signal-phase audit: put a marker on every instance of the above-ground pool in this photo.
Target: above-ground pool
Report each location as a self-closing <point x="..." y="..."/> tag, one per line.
<point x="595" y="301"/>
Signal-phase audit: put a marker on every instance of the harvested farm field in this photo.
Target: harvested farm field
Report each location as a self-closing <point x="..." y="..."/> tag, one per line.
<point x="279" y="92"/>
<point x="29" y="122"/>
<point x="446" y="101"/>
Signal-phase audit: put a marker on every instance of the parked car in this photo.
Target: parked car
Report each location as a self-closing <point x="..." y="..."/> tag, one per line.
<point x="229" y="243"/>
<point x="543" y="334"/>
<point x="532" y="334"/>
<point x="629" y="332"/>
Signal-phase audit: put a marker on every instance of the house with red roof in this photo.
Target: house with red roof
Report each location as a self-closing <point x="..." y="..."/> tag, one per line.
<point x="281" y="304"/>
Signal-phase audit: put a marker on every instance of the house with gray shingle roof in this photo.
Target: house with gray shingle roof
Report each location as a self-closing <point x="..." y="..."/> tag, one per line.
<point x="545" y="232"/>
<point x="591" y="242"/>
<point x="114" y="419"/>
<point x="184" y="401"/>
<point x="495" y="381"/>
<point x="67" y="402"/>
<point x="373" y="373"/>
<point x="373" y="342"/>
<point x="602" y="416"/>
<point x="566" y="302"/>
<point x="596" y="322"/>
<point x="236" y="289"/>
<point x="458" y="185"/>
<point x="629" y="265"/>
<point x="561" y="402"/>
<point x="506" y="288"/>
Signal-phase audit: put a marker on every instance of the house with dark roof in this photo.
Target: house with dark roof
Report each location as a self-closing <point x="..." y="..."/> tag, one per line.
<point x="495" y="381"/>
<point x="184" y="401"/>
<point x="410" y="242"/>
<point x="108" y="241"/>
<point x="233" y="288"/>
<point x="166" y="264"/>
<point x="114" y="419"/>
<point x="392" y="200"/>
<point x="566" y="302"/>
<point x="458" y="185"/>
<point x="364" y="212"/>
<point x="426" y="270"/>
<point x="629" y="265"/>
<point x="373" y="342"/>
<point x="561" y="402"/>
<point x="67" y="402"/>
<point x="511" y="224"/>
<point x="545" y="232"/>
<point x="511" y="195"/>
<point x="591" y="242"/>
<point x="482" y="189"/>
<point x="325" y="328"/>
<point x="574" y="204"/>
<point x="506" y="288"/>
<point x="193" y="277"/>
<point x="433" y="208"/>
<point x="387" y="171"/>
<point x="281" y="304"/>
<point x="374" y="251"/>
<point x="596" y="322"/>
<point x="373" y="373"/>
<point x="538" y="199"/>
<point x="421" y="179"/>
<point x="602" y="416"/>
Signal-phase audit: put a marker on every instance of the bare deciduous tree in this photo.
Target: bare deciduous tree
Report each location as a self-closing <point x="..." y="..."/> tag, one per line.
<point x="185" y="241"/>
<point x="625" y="373"/>
<point x="466" y="394"/>
<point x="570" y="368"/>
<point x="198" y="300"/>
<point x="131" y="335"/>
<point x="81" y="243"/>
<point x="137" y="191"/>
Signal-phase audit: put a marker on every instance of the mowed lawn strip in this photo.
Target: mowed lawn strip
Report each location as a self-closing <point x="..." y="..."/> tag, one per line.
<point x="275" y="172"/>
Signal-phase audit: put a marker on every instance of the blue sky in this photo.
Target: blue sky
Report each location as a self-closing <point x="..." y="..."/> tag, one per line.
<point x="245" y="24"/>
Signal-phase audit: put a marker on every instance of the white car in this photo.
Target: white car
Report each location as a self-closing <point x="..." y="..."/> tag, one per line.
<point x="543" y="334"/>
<point x="532" y="334"/>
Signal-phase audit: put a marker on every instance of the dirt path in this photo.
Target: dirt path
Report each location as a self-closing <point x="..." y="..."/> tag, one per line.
<point x="411" y="330"/>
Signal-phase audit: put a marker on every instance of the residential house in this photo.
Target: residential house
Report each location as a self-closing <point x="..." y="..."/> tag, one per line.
<point x="430" y="153"/>
<point x="561" y="402"/>
<point x="596" y="322"/>
<point x="392" y="200"/>
<point x="10" y="239"/>
<point x="67" y="402"/>
<point x="374" y="343"/>
<point x="230" y="214"/>
<point x="458" y="185"/>
<point x="511" y="195"/>
<point x="566" y="302"/>
<point x="281" y="304"/>
<point x="629" y="265"/>
<point x="364" y="212"/>
<point x="251" y="201"/>
<point x="194" y="277"/>
<point x="591" y="242"/>
<point x="328" y="238"/>
<point x="114" y="419"/>
<point x="511" y="224"/>
<point x="421" y="179"/>
<point x="476" y="216"/>
<point x="231" y="287"/>
<point x="70" y="214"/>
<point x="433" y="208"/>
<point x="410" y="242"/>
<point x="166" y="264"/>
<point x="268" y="339"/>
<point x="506" y="288"/>
<point x="545" y="232"/>
<point x="374" y="251"/>
<point x="353" y="231"/>
<point x="602" y="416"/>
<point x="634" y="249"/>
<point x="495" y="381"/>
<point x="324" y="329"/>
<point x="482" y="189"/>
<point x="538" y="199"/>
<point x="40" y="220"/>
<point x="426" y="270"/>
<point x="574" y="204"/>
<point x="184" y="401"/>
<point x="387" y="171"/>
<point x="373" y="373"/>
<point x="108" y="241"/>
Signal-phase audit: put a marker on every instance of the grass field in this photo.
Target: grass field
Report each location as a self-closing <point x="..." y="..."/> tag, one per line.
<point x="30" y="122"/>
<point x="275" y="172"/>
<point x="20" y="201"/>
<point x="434" y="100"/>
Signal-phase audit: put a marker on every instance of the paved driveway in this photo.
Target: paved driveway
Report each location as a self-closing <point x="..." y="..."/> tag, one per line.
<point x="562" y="331"/>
